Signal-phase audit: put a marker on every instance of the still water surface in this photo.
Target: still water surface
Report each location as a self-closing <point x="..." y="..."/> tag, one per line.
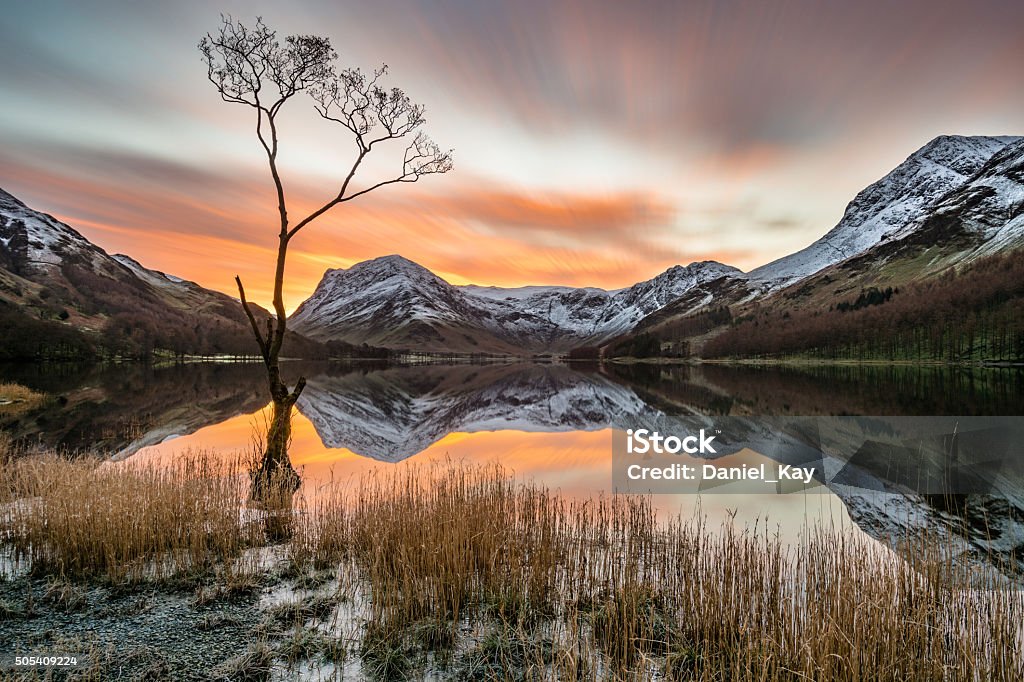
<point x="551" y="423"/>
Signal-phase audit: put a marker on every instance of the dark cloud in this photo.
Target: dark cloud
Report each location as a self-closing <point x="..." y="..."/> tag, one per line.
<point x="797" y="104"/>
<point x="728" y="74"/>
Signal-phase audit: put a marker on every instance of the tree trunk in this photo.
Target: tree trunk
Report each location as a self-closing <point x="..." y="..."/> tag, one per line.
<point x="274" y="480"/>
<point x="275" y="476"/>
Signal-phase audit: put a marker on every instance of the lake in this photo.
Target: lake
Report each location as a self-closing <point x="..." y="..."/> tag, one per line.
<point x="550" y="422"/>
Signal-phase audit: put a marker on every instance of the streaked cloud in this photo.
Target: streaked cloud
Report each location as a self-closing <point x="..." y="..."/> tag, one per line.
<point x="596" y="143"/>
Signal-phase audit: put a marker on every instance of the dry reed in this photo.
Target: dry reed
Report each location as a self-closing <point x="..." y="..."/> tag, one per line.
<point x="16" y="399"/>
<point x="124" y="522"/>
<point x="600" y="588"/>
<point x="546" y="587"/>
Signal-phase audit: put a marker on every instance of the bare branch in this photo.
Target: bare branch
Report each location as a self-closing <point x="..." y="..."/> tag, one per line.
<point x="252" y="321"/>
<point x="241" y="61"/>
<point x="299" y="385"/>
<point x="422" y="157"/>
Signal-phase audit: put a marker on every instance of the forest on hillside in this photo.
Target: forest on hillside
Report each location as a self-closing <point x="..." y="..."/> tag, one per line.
<point x="142" y="334"/>
<point x="970" y="314"/>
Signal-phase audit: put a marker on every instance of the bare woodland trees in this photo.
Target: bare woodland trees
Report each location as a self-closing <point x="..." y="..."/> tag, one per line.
<point x="251" y="67"/>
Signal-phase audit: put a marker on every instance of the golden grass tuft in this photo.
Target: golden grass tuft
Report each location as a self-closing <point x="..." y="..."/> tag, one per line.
<point x="16" y="399"/>
<point x="124" y="522"/>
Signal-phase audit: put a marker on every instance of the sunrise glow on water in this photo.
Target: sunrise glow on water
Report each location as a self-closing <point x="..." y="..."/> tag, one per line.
<point x="575" y="464"/>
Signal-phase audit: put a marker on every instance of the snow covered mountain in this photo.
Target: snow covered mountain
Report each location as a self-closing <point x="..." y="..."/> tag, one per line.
<point x="889" y="208"/>
<point x="631" y="305"/>
<point x="56" y="283"/>
<point x="35" y="242"/>
<point x="37" y="246"/>
<point x="955" y="199"/>
<point x="393" y="302"/>
<point x="984" y="215"/>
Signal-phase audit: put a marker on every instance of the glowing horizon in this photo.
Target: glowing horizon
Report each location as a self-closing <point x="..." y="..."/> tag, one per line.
<point x="595" y="145"/>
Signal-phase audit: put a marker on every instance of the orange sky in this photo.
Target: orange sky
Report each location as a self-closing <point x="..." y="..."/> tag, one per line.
<point x="594" y="144"/>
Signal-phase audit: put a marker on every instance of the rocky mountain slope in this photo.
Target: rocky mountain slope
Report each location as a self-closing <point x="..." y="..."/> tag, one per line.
<point x="982" y="216"/>
<point x="886" y="209"/>
<point x="56" y="284"/>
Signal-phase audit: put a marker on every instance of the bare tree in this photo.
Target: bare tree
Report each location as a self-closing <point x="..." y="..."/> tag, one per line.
<point x="251" y="67"/>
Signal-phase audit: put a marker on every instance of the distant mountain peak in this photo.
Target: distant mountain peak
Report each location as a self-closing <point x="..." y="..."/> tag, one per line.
<point x="383" y="267"/>
<point x="376" y="300"/>
<point x="396" y="259"/>
<point x="704" y="265"/>
<point x="962" y="153"/>
<point x="391" y="260"/>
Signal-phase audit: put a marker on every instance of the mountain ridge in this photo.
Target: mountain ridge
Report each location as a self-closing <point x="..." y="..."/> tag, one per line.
<point x="955" y="199"/>
<point x="888" y="205"/>
<point x="390" y="300"/>
<point x="551" y="319"/>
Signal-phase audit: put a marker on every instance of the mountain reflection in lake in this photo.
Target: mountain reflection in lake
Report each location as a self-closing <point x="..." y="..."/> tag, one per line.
<point x="550" y="422"/>
<point x="392" y="412"/>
